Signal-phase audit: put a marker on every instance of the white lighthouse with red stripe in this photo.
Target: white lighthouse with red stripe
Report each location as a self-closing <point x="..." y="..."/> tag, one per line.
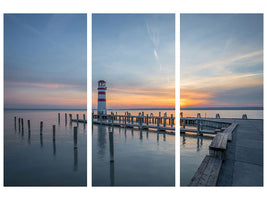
<point x="101" y="106"/>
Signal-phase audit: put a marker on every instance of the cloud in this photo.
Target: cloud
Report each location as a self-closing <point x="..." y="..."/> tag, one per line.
<point x="42" y="85"/>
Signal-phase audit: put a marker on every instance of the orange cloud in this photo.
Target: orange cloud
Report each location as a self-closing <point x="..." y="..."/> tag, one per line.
<point x="194" y="98"/>
<point x="121" y="98"/>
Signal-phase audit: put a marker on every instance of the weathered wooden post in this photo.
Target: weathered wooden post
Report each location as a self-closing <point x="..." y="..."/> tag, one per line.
<point x="147" y="120"/>
<point x="217" y="116"/>
<point x="132" y="119"/>
<point x="171" y="120"/>
<point x="58" y="117"/>
<point x="181" y="114"/>
<point x="125" y="121"/>
<point x="244" y="116"/>
<point x="164" y="122"/>
<point x="111" y="146"/>
<point x="160" y="116"/>
<point x="198" y="127"/>
<point x="19" y="124"/>
<point x="66" y="117"/>
<point x="75" y="137"/>
<point x="29" y="127"/>
<point x="41" y="127"/>
<point x="15" y="123"/>
<point x="112" y="119"/>
<point x="83" y="118"/>
<point x="54" y="132"/>
<point x="22" y="125"/>
<point x="70" y="118"/>
<point x="183" y="123"/>
<point x="157" y="119"/>
<point x="198" y="115"/>
<point x="77" y="118"/>
<point x="141" y="123"/>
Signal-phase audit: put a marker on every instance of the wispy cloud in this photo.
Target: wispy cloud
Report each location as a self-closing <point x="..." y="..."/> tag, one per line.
<point x="42" y="85"/>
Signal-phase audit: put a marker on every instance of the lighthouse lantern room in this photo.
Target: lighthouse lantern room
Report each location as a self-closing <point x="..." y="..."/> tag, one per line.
<point x="101" y="106"/>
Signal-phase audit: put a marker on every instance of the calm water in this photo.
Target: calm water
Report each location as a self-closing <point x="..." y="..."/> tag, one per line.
<point x="193" y="149"/>
<point x="32" y="160"/>
<point x="141" y="158"/>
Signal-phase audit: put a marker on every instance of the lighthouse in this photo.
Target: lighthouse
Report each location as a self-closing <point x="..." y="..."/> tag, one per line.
<point x="101" y="106"/>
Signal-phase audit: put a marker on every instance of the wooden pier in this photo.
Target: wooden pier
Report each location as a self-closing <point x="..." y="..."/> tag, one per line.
<point x="211" y="167"/>
<point x="151" y="122"/>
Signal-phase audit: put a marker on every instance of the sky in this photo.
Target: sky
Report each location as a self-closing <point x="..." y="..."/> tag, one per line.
<point x="45" y="61"/>
<point x="135" y="55"/>
<point x="221" y="60"/>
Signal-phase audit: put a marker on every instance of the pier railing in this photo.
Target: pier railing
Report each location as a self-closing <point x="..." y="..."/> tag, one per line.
<point x="141" y="121"/>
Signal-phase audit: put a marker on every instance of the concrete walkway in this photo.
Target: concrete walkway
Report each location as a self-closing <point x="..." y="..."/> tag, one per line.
<point x="244" y="156"/>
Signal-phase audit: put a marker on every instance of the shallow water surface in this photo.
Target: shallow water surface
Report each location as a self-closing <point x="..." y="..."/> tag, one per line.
<point x="193" y="150"/>
<point x="31" y="159"/>
<point x="141" y="158"/>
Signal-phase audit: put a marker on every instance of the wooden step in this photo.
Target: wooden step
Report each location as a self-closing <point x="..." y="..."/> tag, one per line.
<point x="207" y="173"/>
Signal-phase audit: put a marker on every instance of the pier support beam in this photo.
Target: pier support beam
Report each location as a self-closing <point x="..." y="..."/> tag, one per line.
<point x="15" y="123"/>
<point x="54" y="132"/>
<point x="29" y="126"/>
<point x="41" y="127"/>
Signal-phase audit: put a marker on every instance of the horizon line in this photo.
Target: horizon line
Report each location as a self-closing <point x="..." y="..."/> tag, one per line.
<point x="224" y="108"/>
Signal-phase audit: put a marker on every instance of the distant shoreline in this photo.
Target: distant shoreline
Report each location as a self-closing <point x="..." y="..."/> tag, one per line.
<point x="224" y="108"/>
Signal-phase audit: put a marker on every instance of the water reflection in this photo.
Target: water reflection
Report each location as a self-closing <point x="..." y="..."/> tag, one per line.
<point x="41" y="140"/>
<point x="57" y="160"/>
<point x="75" y="168"/>
<point x="101" y="140"/>
<point x="125" y="133"/>
<point x="29" y="137"/>
<point x="132" y="154"/>
<point x="111" y="173"/>
<point x="54" y="147"/>
<point x="193" y="149"/>
<point x="141" y="134"/>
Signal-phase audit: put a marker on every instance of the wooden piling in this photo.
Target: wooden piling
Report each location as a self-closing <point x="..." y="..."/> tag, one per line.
<point x="58" y="117"/>
<point x="111" y="146"/>
<point x="66" y="117"/>
<point x="77" y="117"/>
<point x="19" y="124"/>
<point x="164" y="122"/>
<point x="147" y="120"/>
<point x="22" y="125"/>
<point x="41" y="127"/>
<point x="75" y="137"/>
<point x="29" y="126"/>
<point x="15" y="123"/>
<point x="54" y="132"/>
<point x="171" y="120"/>
<point x="83" y="118"/>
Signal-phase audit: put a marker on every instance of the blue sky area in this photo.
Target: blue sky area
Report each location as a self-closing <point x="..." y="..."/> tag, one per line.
<point x="221" y="60"/>
<point x="45" y="60"/>
<point x="135" y="54"/>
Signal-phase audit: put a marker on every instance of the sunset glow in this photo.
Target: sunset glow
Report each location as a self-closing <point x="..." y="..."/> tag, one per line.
<point x="134" y="54"/>
<point x="221" y="60"/>
<point x="45" y="61"/>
